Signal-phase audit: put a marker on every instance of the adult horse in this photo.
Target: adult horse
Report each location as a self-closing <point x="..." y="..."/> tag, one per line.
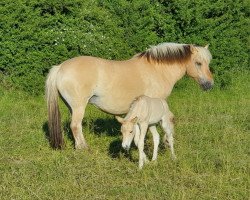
<point x="113" y="85"/>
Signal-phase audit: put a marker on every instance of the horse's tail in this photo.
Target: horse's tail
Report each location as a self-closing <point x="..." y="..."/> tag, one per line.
<point x="54" y="119"/>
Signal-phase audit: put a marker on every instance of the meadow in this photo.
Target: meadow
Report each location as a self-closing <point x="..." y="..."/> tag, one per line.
<point x="212" y="134"/>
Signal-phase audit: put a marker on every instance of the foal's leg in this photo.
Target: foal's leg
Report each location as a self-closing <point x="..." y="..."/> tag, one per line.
<point x="142" y="155"/>
<point x="168" y="127"/>
<point x="137" y="134"/>
<point x="76" y="125"/>
<point x="156" y="139"/>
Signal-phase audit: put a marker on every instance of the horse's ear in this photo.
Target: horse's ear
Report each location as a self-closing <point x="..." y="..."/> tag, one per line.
<point x="206" y="47"/>
<point x="193" y="49"/>
<point x="119" y="119"/>
<point x="134" y="120"/>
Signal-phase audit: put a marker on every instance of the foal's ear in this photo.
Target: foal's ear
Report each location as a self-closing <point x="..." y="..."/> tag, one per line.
<point x="119" y="119"/>
<point x="134" y="120"/>
<point x="206" y="47"/>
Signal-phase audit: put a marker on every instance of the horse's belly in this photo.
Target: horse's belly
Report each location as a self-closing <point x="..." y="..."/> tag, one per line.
<point x="111" y="105"/>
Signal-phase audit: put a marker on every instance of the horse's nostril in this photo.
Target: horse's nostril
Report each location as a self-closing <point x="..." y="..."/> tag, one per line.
<point x="207" y="85"/>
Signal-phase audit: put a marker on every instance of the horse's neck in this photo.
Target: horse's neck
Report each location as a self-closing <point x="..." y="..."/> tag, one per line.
<point x="167" y="75"/>
<point x="170" y="74"/>
<point x="173" y="72"/>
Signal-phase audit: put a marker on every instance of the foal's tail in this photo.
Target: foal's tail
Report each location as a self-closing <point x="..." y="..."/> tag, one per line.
<point x="54" y="121"/>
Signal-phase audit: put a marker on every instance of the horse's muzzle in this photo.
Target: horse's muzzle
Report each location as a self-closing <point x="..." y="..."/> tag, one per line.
<point x="125" y="146"/>
<point x="207" y="85"/>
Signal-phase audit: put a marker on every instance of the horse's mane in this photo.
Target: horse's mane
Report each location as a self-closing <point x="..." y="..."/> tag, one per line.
<point x="167" y="53"/>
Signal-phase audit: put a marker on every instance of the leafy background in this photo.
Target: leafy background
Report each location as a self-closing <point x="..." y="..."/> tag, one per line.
<point x="212" y="128"/>
<point x="35" y="35"/>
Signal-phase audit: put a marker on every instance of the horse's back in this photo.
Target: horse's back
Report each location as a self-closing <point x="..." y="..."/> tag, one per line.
<point x="102" y="81"/>
<point x="80" y="65"/>
<point x="93" y="66"/>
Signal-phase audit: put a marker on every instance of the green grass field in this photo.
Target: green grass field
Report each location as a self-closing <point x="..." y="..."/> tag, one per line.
<point x="212" y="140"/>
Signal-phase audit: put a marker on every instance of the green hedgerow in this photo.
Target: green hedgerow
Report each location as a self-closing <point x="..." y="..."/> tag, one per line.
<point x="35" y="35"/>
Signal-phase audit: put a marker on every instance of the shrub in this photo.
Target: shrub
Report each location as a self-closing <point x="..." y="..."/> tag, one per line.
<point x="38" y="34"/>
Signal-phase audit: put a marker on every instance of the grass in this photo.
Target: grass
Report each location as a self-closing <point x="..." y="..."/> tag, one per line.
<point x="211" y="143"/>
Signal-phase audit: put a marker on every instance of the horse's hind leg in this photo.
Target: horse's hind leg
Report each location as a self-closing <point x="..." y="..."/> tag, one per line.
<point x="76" y="125"/>
<point x="168" y="127"/>
<point x="156" y="139"/>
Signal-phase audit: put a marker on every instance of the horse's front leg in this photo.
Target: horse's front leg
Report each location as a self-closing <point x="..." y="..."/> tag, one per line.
<point x="156" y="139"/>
<point x="142" y="155"/>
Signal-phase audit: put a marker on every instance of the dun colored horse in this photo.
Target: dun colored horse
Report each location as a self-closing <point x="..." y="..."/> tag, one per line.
<point x="113" y="85"/>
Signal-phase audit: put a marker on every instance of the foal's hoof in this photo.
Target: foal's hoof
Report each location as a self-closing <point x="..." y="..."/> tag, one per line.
<point x="154" y="159"/>
<point x="166" y="144"/>
<point x="140" y="167"/>
<point x="173" y="157"/>
<point x="81" y="146"/>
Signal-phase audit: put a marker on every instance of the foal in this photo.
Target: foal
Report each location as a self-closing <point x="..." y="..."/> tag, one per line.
<point x="144" y="113"/>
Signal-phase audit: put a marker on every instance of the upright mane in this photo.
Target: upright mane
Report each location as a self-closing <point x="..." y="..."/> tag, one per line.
<point x="167" y="53"/>
<point x="132" y="106"/>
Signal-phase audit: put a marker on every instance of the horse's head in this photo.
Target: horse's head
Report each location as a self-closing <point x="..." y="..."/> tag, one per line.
<point x="127" y="130"/>
<point x="199" y="66"/>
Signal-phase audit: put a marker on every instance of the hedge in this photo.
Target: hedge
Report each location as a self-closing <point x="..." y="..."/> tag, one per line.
<point x="36" y="34"/>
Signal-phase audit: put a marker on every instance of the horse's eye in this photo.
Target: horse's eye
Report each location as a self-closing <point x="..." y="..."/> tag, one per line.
<point x="198" y="64"/>
<point x="131" y="132"/>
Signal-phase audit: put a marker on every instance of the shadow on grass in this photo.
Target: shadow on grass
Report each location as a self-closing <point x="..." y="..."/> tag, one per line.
<point x="98" y="126"/>
<point x="116" y="151"/>
<point x="115" y="148"/>
<point x="108" y="127"/>
<point x="46" y="130"/>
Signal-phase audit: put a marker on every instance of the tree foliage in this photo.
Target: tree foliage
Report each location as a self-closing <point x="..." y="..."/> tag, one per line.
<point x="38" y="34"/>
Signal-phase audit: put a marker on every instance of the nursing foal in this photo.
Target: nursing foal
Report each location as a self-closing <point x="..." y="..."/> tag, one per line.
<point x="144" y="113"/>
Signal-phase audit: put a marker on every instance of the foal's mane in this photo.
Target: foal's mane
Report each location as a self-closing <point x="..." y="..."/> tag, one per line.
<point x="132" y="106"/>
<point x="167" y="53"/>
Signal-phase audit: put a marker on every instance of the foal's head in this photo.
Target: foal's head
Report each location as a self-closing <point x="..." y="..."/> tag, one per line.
<point x="199" y="66"/>
<point x="128" y="131"/>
